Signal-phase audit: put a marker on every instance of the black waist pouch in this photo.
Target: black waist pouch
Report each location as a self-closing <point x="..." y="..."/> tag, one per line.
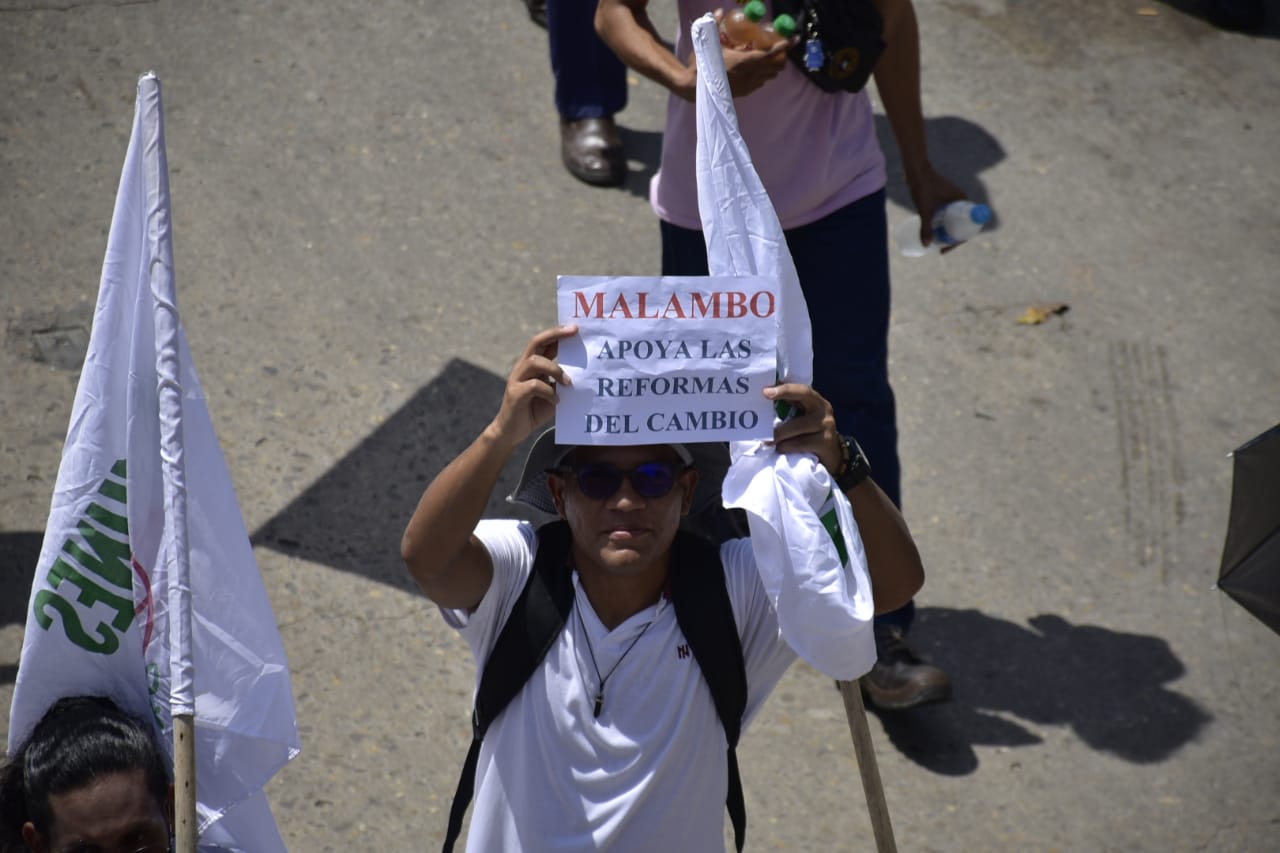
<point x="840" y="41"/>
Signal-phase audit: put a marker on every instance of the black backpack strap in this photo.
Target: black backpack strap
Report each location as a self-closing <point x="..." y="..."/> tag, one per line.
<point x="705" y="616"/>
<point x="536" y="620"/>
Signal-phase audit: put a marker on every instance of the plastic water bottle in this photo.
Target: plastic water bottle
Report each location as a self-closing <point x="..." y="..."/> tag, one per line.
<point x="745" y="28"/>
<point x="954" y="223"/>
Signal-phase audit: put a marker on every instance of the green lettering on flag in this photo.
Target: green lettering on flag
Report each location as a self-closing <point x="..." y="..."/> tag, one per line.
<point x="110" y="559"/>
<point x="71" y="623"/>
<point x="91" y="593"/>
<point x="115" y="491"/>
<point x="108" y="519"/>
<point x="104" y="560"/>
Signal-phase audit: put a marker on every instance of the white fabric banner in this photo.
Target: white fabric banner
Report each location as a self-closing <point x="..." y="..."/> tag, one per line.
<point x="797" y="517"/>
<point x="143" y="489"/>
<point x="658" y="360"/>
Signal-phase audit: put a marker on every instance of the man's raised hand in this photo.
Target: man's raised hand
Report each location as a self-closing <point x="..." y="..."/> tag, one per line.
<point x="529" y="400"/>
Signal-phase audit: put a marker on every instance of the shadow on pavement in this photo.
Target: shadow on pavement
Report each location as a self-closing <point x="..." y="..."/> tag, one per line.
<point x="959" y="150"/>
<point x="645" y="148"/>
<point x="352" y="518"/>
<point x="19" y="552"/>
<point x="1110" y="688"/>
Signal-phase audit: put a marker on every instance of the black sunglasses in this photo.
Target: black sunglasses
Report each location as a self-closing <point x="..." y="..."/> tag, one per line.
<point x="600" y="480"/>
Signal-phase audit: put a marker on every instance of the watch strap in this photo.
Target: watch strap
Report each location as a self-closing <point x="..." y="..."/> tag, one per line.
<point x="854" y="467"/>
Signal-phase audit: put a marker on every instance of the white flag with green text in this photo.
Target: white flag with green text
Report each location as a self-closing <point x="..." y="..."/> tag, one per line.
<point x="143" y="497"/>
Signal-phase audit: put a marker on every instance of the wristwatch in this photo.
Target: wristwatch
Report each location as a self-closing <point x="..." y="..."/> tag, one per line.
<point x="854" y="467"/>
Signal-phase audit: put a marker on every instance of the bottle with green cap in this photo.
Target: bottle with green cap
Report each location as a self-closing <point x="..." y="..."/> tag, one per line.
<point x="745" y="27"/>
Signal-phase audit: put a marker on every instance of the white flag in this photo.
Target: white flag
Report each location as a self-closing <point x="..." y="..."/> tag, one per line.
<point x="797" y="516"/>
<point x="144" y="524"/>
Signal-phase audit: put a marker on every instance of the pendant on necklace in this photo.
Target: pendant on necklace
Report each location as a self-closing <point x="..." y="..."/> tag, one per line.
<point x="599" y="704"/>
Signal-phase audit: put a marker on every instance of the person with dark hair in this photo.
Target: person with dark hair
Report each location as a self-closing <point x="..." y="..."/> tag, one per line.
<point x="90" y="778"/>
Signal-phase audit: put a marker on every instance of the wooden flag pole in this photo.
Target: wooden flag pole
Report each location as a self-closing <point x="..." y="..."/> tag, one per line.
<point x="186" y="827"/>
<point x="865" y="752"/>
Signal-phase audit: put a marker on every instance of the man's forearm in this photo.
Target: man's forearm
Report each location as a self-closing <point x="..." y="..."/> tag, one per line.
<point x="438" y="538"/>
<point x="893" y="561"/>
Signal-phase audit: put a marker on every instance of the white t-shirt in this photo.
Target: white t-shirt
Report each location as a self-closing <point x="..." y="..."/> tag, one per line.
<point x="648" y="774"/>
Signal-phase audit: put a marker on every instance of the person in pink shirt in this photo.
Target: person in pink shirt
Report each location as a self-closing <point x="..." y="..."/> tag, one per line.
<point x="821" y="163"/>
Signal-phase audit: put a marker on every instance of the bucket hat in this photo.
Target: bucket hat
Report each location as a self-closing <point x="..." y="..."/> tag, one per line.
<point x="711" y="459"/>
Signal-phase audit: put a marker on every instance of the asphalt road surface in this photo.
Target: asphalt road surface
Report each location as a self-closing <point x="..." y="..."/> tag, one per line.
<point x="370" y="213"/>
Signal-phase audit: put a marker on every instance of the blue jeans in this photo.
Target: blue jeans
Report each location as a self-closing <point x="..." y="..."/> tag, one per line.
<point x="591" y="82"/>
<point x="843" y="264"/>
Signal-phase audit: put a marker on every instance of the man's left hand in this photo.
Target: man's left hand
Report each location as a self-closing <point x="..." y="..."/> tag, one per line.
<point x="812" y="429"/>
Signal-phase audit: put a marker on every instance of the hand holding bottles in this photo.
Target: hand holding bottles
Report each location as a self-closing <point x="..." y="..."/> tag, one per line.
<point x="745" y="27"/>
<point x="952" y="224"/>
<point x="754" y="53"/>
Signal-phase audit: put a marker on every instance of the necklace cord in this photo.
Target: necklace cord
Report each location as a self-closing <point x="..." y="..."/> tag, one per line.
<point x="599" y="702"/>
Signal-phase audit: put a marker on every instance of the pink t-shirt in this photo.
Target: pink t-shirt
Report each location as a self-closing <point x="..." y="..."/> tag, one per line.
<point x="815" y="152"/>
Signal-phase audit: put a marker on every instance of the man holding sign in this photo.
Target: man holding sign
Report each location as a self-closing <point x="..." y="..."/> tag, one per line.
<point x="611" y="696"/>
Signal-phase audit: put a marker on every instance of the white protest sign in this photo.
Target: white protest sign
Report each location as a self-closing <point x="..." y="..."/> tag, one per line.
<point x="662" y="360"/>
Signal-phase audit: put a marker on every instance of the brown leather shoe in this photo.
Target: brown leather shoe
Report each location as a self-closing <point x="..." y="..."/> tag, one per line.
<point x="899" y="679"/>
<point x="592" y="151"/>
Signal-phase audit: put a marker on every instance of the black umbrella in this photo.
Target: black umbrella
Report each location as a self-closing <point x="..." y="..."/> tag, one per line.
<point x="1251" y="556"/>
